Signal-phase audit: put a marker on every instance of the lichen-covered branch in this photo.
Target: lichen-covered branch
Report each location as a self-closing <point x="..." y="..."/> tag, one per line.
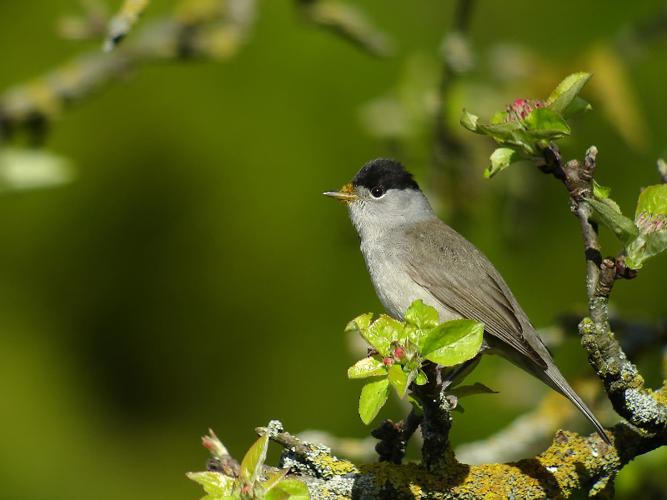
<point x="624" y="385"/>
<point x="571" y="464"/>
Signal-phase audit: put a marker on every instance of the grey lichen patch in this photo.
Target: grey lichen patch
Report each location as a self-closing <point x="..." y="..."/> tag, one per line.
<point x="646" y="410"/>
<point x="316" y="461"/>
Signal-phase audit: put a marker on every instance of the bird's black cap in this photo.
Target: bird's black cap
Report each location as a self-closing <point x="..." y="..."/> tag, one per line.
<point x="390" y="174"/>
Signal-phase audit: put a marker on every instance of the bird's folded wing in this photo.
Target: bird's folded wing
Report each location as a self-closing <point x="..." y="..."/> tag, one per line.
<point x="463" y="285"/>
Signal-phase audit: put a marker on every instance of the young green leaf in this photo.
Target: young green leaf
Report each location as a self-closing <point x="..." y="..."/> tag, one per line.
<point x="544" y="123"/>
<point x="367" y="367"/>
<point x="421" y="378"/>
<point x="469" y="121"/>
<point x="359" y="324"/>
<point x="566" y="91"/>
<point x="651" y="221"/>
<point x="215" y="484"/>
<point x="252" y="462"/>
<point x="382" y="332"/>
<point x="288" y="489"/>
<point x="601" y="192"/>
<point x="607" y="212"/>
<point x="373" y="397"/>
<point x="398" y="379"/>
<point x="421" y="315"/>
<point x="272" y="479"/>
<point x="454" y="342"/>
<point x="501" y="158"/>
<point x="578" y="105"/>
<point x="469" y="390"/>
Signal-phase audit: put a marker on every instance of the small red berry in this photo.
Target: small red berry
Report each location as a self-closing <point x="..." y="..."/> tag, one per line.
<point x="399" y="353"/>
<point x="388" y="361"/>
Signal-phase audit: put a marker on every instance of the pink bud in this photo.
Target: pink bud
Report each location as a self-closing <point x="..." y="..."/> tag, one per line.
<point x="388" y="361"/>
<point x="399" y="353"/>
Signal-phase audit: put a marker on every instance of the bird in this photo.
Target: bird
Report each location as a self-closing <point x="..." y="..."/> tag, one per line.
<point x="411" y="254"/>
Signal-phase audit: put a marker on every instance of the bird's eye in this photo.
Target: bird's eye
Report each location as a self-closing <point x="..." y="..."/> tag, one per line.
<point x="377" y="191"/>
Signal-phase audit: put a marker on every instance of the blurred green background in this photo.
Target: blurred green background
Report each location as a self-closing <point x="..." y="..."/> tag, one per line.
<point x="193" y="276"/>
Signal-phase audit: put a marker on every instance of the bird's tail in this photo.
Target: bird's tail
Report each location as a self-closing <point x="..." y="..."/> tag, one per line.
<point x="553" y="377"/>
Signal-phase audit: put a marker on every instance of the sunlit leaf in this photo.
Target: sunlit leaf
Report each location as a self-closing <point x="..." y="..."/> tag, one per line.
<point x="382" y="332"/>
<point x="252" y="462"/>
<point x="651" y="221"/>
<point x="566" y="91"/>
<point x="215" y="484"/>
<point x="469" y="121"/>
<point x="421" y="378"/>
<point x="454" y="342"/>
<point x="421" y="315"/>
<point x="398" y="379"/>
<point x="289" y="489"/>
<point x="367" y="367"/>
<point x="546" y="123"/>
<point x="272" y="479"/>
<point x="359" y="324"/>
<point x="373" y="397"/>
<point x="501" y="158"/>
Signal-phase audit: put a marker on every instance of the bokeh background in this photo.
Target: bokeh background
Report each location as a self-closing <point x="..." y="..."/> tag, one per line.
<point x="191" y="275"/>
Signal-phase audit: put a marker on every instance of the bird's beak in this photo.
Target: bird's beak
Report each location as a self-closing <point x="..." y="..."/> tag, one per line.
<point x="346" y="194"/>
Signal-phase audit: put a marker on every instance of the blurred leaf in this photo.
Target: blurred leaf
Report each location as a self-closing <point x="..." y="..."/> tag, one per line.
<point x="421" y="315"/>
<point x="289" y="489"/>
<point x="545" y="123"/>
<point x="215" y="484"/>
<point x="501" y="158"/>
<point x="470" y="390"/>
<point x="252" y="462"/>
<point x="567" y="91"/>
<point x="121" y="24"/>
<point x="398" y="379"/>
<point x="662" y="169"/>
<point x="651" y="221"/>
<point x="367" y="367"/>
<point x="373" y="397"/>
<point x="454" y="342"/>
<point x="607" y="212"/>
<point x="351" y="23"/>
<point x="616" y="97"/>
<point x="32" y="168"/>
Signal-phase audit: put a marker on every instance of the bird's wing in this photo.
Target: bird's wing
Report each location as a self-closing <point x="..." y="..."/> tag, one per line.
<point x="454" y="272"/>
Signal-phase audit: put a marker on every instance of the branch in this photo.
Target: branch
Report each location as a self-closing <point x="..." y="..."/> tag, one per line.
<point x="623" y="383"/>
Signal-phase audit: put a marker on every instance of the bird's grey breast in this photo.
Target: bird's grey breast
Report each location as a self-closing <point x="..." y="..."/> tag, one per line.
<point x="387" y="255"/>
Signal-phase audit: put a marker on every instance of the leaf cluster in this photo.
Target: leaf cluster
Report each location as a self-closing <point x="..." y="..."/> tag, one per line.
<point x="399" y="350"/>
<point x="252" y="482"/>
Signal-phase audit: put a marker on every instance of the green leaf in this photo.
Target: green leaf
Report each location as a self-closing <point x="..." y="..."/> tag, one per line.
<point x="454" y="342"/>
<point x="421" y="315"/>
<point x="273" y="479"/>
<point x="289" y="489"/>
<point x="607" y="212"/>
<point x="652" y="200"/>
<point x="421" y="378"/>
<point x="469" y="390"/>
<point x="578" y="105"/>
<point x="367" y="367"/>
<point x="469" y="121"/>
<point x="544" y="123"/>
<point x="373" y="397"/>
<point x="359" y="324"/>
<point x="398" y="379"/>
<point x="651" y="221"/>
<point x="501" y="158"/>
<point x="566" y="91"/>
<point x="382" y="332"/>
<point x="215" y="484"/>
<point x="601" y="192"/>
<point x="252" y="462"/>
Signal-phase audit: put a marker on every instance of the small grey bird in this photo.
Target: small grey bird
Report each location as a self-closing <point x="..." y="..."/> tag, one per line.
<point x="411" y="254"/>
